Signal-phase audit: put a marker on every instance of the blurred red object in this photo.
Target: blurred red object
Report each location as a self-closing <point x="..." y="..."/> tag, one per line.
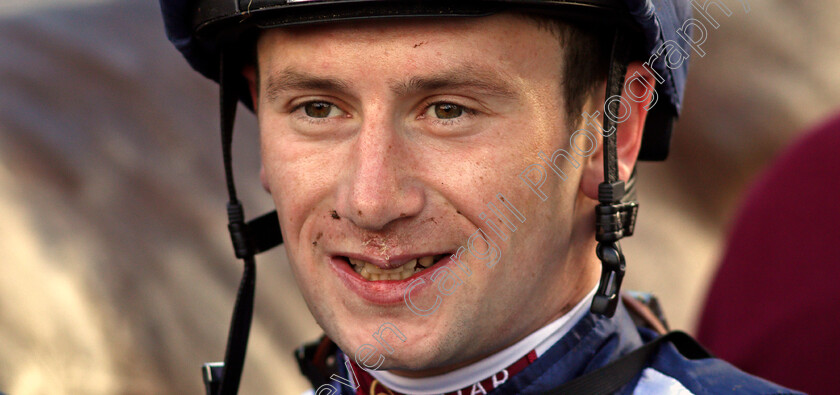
<point x="773" y="308"/>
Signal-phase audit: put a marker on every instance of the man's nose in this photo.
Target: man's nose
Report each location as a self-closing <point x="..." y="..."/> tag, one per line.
<point x="381" y="186"/>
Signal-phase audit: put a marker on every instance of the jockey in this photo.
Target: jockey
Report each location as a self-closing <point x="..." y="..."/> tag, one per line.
<point x="451" y="182"/>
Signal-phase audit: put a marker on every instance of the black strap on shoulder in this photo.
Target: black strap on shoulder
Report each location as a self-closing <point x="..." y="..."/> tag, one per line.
<point x="317" y="361"/>
<point x="611" y="378"/>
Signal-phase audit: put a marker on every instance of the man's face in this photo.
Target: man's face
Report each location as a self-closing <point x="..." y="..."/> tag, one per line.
<point x="384" y="141"/>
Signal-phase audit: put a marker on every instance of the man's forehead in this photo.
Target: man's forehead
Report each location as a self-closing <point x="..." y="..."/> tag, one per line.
<point x="475" y="52"/>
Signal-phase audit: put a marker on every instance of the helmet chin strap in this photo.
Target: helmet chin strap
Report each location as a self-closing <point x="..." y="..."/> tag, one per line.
<point x="248" y="239"/>
<point x="615" y="216"/>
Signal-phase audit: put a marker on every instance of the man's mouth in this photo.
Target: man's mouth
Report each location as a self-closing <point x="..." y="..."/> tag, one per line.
<point x="372" y="272"/>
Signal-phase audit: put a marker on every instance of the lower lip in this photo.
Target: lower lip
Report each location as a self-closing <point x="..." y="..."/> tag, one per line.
<point x="385" y="292"/>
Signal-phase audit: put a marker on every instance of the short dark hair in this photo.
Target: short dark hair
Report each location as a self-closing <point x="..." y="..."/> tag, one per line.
<point x="585" y="60"/>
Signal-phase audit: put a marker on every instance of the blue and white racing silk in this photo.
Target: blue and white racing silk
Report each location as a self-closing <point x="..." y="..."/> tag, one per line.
<point x="587" y="342"/>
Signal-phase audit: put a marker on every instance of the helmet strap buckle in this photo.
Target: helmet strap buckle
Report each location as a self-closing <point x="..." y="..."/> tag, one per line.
<point x="614" y="219"/>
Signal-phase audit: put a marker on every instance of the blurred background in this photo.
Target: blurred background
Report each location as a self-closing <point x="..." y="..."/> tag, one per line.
<point x="117" y="275"/>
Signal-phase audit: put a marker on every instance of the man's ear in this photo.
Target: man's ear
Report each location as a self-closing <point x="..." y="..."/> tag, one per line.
<point x="638" y="96"/>
<point x="250" y="74"/>
<point x="264" y="180"/>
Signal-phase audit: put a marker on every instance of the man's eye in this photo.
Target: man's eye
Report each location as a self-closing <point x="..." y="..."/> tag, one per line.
<point x="446" y="110"/>
<point x="321" y="109"/>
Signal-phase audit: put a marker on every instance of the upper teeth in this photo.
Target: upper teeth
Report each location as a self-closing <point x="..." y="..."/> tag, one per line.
<point x="427" y="261"/>
<point x="374" y="273"/>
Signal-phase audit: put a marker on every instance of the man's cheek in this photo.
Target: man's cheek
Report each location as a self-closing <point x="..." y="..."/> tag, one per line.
<point x="294" y="199"/>
<point x="483" y="249"/>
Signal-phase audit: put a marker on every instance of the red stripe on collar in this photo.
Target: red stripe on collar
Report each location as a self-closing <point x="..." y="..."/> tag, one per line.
<point x="368" y="385"/>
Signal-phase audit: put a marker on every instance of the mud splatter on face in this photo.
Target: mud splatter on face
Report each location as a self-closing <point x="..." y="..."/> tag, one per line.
<point x="377" y="245"/>
<point x="385" y="246"/>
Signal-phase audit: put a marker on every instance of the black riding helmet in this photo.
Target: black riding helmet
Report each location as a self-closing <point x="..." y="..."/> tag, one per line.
<point x="214" y="36"/>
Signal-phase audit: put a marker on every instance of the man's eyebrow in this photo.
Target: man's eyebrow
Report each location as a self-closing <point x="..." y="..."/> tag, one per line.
<point x="464" y="77"/>
<point x="291" y="79"/>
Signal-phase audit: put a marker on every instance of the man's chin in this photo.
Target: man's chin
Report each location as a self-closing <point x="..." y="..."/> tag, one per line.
<point x="386" y="351"/>
<point x="407" y="362"/>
